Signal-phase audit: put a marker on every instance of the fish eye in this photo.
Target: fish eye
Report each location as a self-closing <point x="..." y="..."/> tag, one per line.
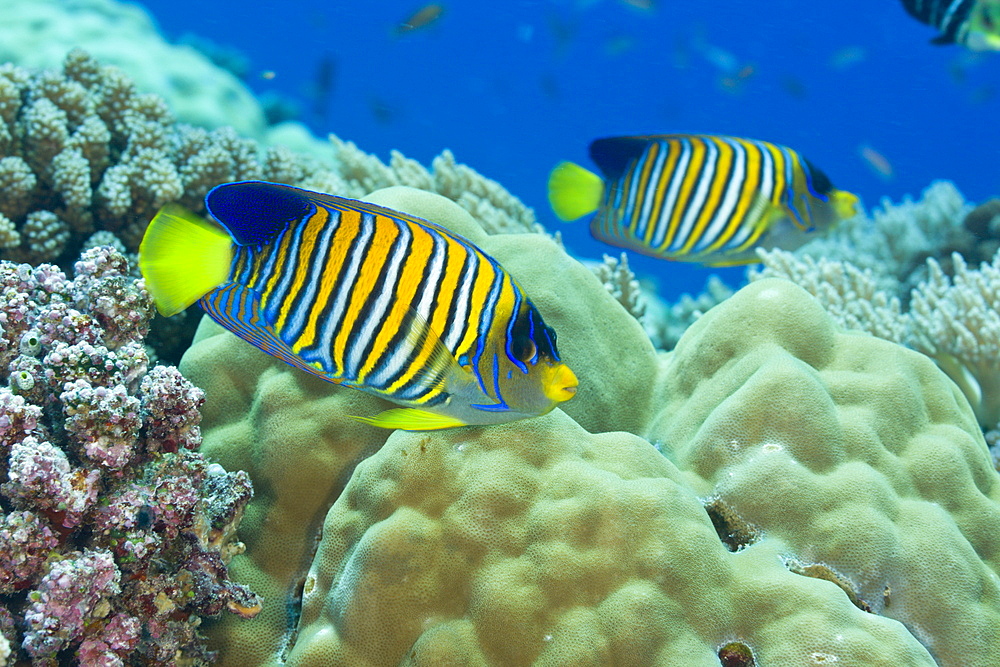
<point x="523" y="349"/>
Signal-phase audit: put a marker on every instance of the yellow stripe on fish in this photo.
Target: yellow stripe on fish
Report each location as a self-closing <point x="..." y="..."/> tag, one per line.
<point x="699" y="198"/>
<point x="365" y="297"/>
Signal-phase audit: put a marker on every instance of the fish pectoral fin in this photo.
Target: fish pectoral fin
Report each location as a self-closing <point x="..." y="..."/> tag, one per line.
<point x="411" y="419"/>
<point x="441" y="372"/>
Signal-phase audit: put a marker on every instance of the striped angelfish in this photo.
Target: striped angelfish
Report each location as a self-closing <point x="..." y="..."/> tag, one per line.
<point x="698" y="198"/>
<point x="364" y="297"/>
<point x="971" y="23"/>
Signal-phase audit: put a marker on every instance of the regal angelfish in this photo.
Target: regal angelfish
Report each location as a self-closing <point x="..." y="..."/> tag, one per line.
<point x="698" y="198"/>
<point x="364" y="297"/>
<point x="974" y="24"/>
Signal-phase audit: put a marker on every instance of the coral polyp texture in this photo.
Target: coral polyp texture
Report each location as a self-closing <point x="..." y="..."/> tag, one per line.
<point x="811" y="497"/>
<point x="114" y="532"/>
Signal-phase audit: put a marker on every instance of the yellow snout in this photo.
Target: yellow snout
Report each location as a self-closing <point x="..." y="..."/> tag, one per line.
<point x="559" y="384"/>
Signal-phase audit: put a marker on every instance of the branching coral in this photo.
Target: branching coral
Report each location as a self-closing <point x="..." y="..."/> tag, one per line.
<point x="956" y="322"/>
<point x="498" y="211"/>
<point x="620" y="282"/>
<point x="666" y="323"/>
<point x="114" y="532"/>
<point x="86" y="151"/>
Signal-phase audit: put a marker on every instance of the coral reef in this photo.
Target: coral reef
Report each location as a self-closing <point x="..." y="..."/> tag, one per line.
<point x="897" y="239"/>
<point x="35" y="34"/>
<point x="620" y="282"/>
<point x="954" y="319"/>
<point x="811" y="482"/>
<point x="88" y="159"/>
<point x="114" y="532"/>
<point x="84" y="150"/>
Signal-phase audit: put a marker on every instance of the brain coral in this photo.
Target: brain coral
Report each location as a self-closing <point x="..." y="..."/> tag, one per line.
<point x="818" y="497"/>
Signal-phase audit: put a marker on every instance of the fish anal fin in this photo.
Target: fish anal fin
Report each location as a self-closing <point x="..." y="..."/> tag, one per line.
<point x="411" y="419"/>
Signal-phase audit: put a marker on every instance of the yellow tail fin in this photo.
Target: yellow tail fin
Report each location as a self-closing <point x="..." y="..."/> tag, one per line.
<point x="573" y="191"/>
<point x="183" y="257"/>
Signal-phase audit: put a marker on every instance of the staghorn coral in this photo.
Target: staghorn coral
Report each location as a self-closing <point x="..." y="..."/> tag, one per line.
<point x="620" y="282"/>
<point x="812" y="482"/>
<point x="897" y="239"/>
<point x="852" y="296"/>
<point x="666" y="323"/>
<point x="114" y="532"/>
<point x="498" y="211"/>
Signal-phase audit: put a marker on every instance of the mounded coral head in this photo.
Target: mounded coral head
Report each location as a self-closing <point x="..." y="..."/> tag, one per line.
<point x="840" y="469"/>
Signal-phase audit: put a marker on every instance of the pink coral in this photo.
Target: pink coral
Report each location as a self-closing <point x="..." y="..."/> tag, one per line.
<point x="41" y="476"/>
<point x="72" y="593"/>
<point x="103" y="420"/>
<point x="117" y="639"/>
<point x="118" y="530"/>
<point x="25" y="540"/>
<point x="170" y="408"/>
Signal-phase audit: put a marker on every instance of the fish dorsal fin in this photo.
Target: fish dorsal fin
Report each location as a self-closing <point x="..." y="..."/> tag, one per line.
<point x="255" y="212"/>
<point x="614" y="154"/>
<point x="329" y="201"/>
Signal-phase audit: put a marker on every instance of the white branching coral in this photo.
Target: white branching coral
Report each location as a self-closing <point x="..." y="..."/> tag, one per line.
<point x="620" y="282"/>
<point x="665" y="323"/>
<point x="956" y="321"/>
<point x="490" y="203"/>
<point x="854" y="297"/>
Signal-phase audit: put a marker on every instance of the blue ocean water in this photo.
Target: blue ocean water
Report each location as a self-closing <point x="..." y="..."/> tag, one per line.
<point x="514" y="87"/>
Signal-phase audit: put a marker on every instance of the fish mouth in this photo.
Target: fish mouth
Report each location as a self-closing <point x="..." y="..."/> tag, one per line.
<point x="561" y="385"/>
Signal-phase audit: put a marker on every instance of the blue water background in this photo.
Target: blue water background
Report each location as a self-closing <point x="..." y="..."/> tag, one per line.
<point x="514" y="87"/>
